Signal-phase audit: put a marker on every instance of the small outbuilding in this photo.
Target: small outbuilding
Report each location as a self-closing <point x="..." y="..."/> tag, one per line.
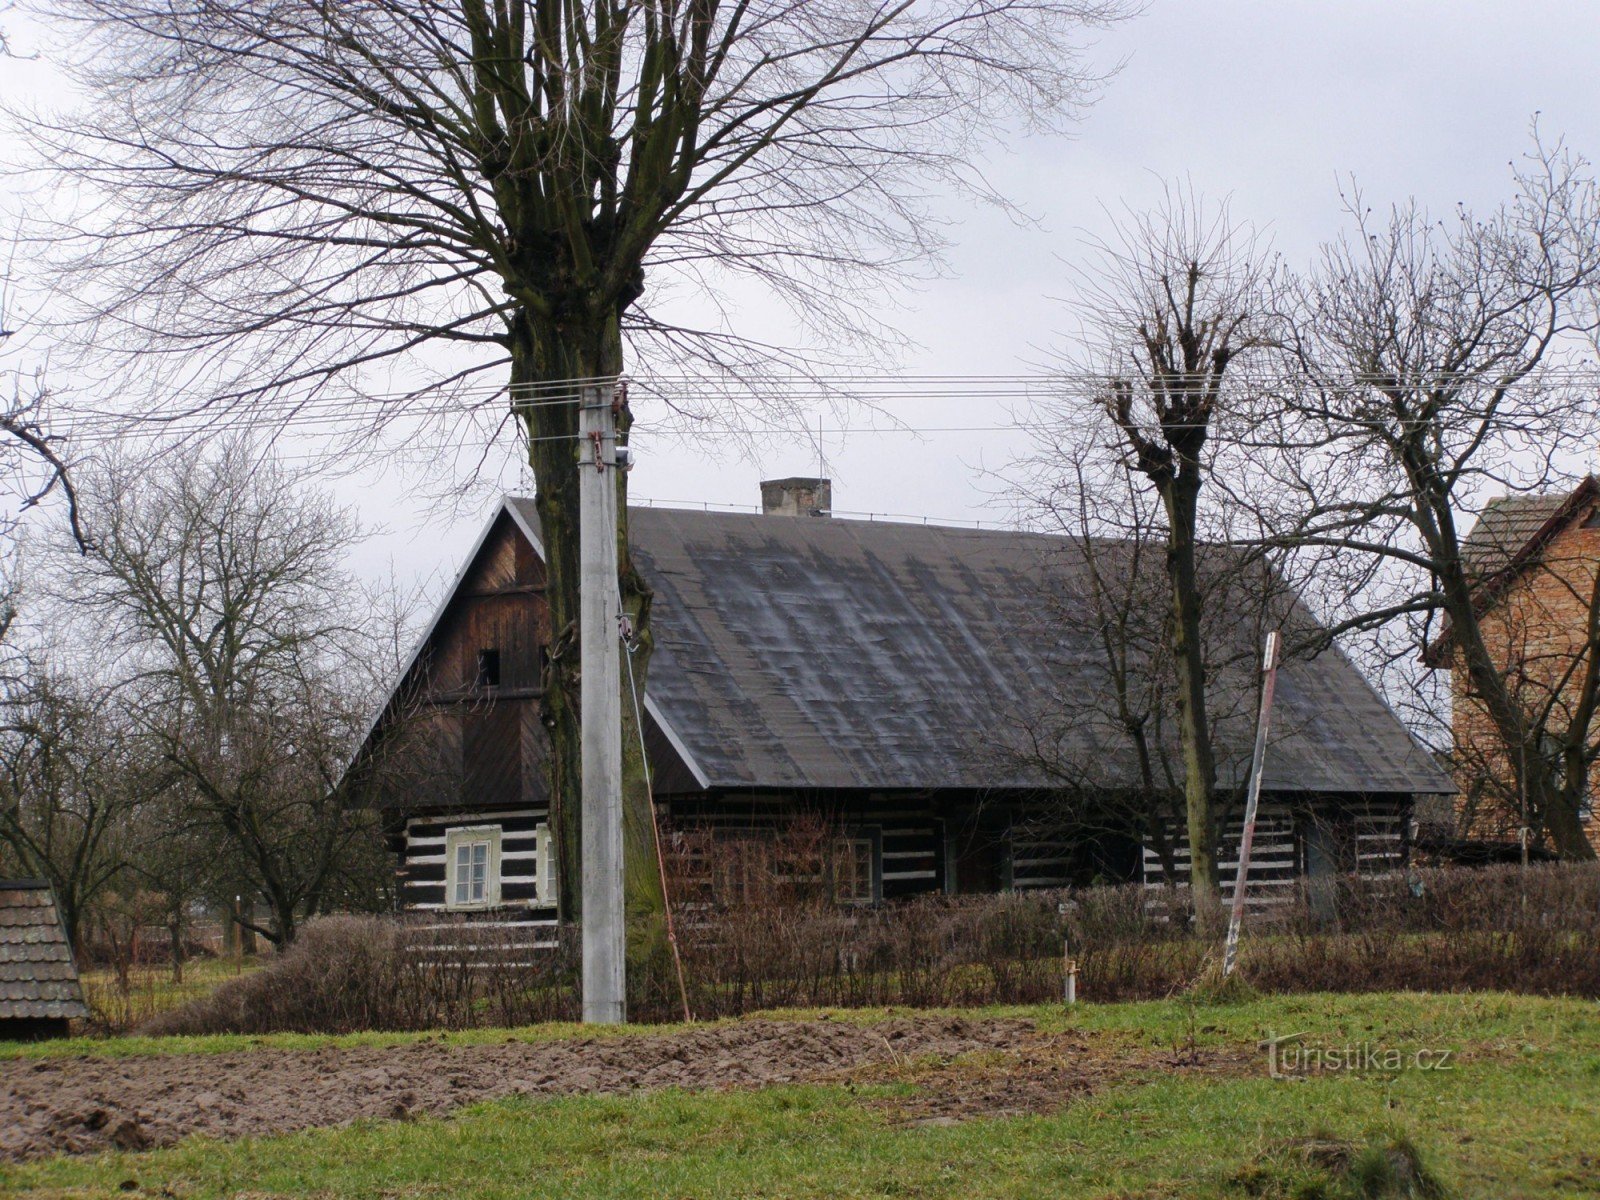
<point x="39" y="988"/>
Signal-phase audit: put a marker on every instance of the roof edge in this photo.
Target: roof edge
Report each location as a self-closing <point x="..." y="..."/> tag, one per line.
<point x="510" y="505"/>
<point x="504" y="507"/>
<point x="1489" y="589"/>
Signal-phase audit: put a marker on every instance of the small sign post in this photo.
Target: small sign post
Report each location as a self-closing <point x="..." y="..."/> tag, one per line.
<point x="1269" y="672"/>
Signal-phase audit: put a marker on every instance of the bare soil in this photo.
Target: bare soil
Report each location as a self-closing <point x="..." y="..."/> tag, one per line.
<point x="1034" y="1075"/>
<point x="88" y="1103"/>
<point x="956" y="1068"/>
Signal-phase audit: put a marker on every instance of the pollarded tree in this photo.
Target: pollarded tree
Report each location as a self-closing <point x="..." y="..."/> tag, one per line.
<point x="297" y="192"/>
<point x="1107" y="728"/>
<point x="1174" y="307"/>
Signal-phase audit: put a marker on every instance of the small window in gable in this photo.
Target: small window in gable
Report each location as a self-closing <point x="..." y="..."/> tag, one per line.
<point x="488" y="668"/>
<point x="472" y="867"/>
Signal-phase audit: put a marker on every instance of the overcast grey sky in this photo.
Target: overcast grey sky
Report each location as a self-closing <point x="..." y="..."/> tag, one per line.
<point x="1271" y="103"/>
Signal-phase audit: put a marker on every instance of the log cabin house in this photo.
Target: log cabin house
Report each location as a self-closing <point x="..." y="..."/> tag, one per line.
<point x="864" y="670"/>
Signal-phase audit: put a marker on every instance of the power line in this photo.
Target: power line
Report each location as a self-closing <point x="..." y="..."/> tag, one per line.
<point x="842" y="387"/>
<point x="282" y="414"/>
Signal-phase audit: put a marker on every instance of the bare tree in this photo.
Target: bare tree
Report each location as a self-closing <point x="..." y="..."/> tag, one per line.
<point x="301" y="194"/>
<point x="68" y="786"/>
<point x="1435" y="358"/>
<point x="1107" y="729"/>
<point x="218" y="576"/>
<point x="1172" y="305"/>
<point x="32" y="466"/>
<point x="1103" y="591"/>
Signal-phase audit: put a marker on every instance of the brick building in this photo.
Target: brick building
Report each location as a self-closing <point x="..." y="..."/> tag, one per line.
<point x="1536" y="561"/>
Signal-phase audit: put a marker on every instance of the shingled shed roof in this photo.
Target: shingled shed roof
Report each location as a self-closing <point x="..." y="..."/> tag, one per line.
<point x="38" y="977"/>
<point x="826" y="653"/>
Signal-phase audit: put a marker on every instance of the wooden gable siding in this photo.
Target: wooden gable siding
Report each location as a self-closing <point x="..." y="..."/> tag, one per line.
<point x="491" y="749"/>
<point x="499" y="606"/>
<point x="471" y="746"/>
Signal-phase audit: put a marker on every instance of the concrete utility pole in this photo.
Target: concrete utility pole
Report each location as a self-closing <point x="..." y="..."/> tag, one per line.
<point x="1269" y="684"/>
<point x="600" y="697"/>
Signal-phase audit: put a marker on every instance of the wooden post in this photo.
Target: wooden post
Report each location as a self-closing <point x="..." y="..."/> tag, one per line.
<point x="1269" y="670"/>
<point x="1069" y="966"/>
<point x="600" y="712"/>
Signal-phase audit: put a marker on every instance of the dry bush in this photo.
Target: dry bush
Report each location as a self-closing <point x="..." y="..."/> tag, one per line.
<point x="1534" y="930"/>
<point x="780" y="941"/>
<point x="772" y="945"/>
<point x="344" y="974"/>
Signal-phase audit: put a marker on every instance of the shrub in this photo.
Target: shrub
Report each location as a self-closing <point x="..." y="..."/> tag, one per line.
<point x="1534" y="930"/>
<point x="344" y="974"/>
<point x="787" y="945"/>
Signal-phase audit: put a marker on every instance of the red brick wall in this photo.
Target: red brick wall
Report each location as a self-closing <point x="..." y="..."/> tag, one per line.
<point x="1536" y="633"/>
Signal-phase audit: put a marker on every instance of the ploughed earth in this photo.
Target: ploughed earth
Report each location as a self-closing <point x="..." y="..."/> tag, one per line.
<point x="956" y="1068"/>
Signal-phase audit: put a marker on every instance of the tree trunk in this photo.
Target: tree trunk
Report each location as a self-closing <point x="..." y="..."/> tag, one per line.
<point x="285" y="923"/>
<point x="1180" y="497"/>
<point x="1551" y="806"/>
<point x="1565" y="826"/>
<point x="541" y="355"/>
<point x="175" y="939"/>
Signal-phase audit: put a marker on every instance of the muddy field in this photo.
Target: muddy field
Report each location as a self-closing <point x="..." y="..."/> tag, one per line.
<point x="79" y="1105"/>
<point x="89" y="1103"/>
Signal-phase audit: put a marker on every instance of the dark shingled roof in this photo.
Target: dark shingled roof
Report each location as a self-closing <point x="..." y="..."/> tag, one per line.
<point x="830" y="653"/>
<point x="38" y="977"/>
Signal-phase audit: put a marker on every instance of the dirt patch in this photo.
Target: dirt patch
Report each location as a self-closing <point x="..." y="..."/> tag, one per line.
<point x="1037" y="1074"/>
<point x="79" y="1105"/>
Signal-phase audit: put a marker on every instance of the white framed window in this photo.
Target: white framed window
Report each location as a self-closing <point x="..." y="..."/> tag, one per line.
<point x="472" y="867"/>
<point x="856" y="870"/>
<point x="546" y="887"/>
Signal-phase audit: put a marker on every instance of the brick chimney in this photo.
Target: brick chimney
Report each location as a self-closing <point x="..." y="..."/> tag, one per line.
<point x="796" y="497"/>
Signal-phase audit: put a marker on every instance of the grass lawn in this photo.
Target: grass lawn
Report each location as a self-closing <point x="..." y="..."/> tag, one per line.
<point x="1517" y="1115"/>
